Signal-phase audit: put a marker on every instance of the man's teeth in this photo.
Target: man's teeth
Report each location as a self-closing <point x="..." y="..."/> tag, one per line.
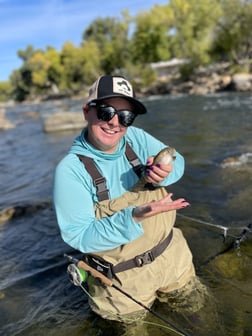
<point x="109" y="131"/>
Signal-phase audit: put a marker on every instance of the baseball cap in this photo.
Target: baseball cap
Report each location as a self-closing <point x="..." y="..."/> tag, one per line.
<point x="108" y="86"/>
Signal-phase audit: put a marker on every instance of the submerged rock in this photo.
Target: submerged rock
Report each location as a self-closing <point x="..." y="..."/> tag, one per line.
<point x="5" y="124"/>
<point x="17" y="210"/>
<point x="64" y="121"/>
<point x="231" y="265"/>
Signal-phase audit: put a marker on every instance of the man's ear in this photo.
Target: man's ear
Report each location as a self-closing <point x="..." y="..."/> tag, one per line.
<point x="85" y="110"/>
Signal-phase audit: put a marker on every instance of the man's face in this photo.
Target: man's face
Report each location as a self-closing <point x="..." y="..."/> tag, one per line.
<point x="105" y="135"/>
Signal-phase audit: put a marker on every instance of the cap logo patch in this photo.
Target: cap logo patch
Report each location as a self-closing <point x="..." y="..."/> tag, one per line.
<point x="122" y="86"/>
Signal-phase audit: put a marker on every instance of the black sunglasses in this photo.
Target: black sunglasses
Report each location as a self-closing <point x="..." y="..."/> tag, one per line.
<point x="106" y="113"/>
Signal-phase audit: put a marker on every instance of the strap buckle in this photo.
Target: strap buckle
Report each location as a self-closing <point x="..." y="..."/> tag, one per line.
<point x="100" y="183"/>
<point x="101" y="189"/>
<point x="144" y="259"/>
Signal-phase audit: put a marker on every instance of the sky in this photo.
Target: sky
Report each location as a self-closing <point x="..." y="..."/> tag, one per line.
<point x="43" y="23"/>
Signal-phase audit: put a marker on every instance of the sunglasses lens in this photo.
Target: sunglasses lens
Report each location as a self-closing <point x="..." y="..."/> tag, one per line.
<point x="106" y="113"/>
<point x="126" y="118"/>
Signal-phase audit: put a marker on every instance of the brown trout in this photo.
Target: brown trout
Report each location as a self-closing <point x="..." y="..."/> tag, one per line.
<point x="165" y="156"/>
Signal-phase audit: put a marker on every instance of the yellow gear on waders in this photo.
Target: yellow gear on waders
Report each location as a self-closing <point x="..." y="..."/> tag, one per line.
<point x="168" y="272"/>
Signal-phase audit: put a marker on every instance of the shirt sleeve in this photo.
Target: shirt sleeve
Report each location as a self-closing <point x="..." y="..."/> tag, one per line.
<point x="74" y="209"/>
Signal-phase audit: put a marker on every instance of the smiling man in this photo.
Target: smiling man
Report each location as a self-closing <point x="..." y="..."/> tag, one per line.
<point x="130" y="233"/>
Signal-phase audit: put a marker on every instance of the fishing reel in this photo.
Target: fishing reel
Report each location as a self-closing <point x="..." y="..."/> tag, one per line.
<point x="77" y="276"/>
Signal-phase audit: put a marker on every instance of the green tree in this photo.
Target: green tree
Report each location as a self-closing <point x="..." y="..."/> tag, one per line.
<point x="233" y="33"/>
<point x="27" y="53"/>
<point x="72" y="59"/>
<point x="111" y="37"/>
<point x="55" y="72"/>
<point x="46" y="71"/>
<point x="40" y="74"/>
<point x="5" y="91"/>
<point x="91" y="61"/>
<point x="194" y="22"/>
<point x="21" y="81"/>
<point x="150" y="40"/>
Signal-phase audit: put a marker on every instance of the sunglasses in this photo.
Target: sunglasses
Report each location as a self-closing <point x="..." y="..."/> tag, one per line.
<point x="106" y="113"/>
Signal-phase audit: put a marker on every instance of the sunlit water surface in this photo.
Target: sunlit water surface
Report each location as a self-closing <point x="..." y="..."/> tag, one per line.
<point x="214" y="135"/>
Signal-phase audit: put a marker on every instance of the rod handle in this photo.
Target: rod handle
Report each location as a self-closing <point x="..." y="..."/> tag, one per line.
<point x="96" y="274"/>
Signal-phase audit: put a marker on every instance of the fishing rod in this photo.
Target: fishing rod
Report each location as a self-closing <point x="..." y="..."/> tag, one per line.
<point x="217" y="226"/>
<point x="77" y="276"/>
<point x="235" y="245"/>
<point x="237" y="240"/>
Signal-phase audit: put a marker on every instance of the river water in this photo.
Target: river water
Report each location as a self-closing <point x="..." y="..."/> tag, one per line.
<point x="214" y="133"/>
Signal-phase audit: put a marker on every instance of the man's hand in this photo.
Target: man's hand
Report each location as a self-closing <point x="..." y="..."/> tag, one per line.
<point x="153" y="208"/>
<point x="156" y="174"/>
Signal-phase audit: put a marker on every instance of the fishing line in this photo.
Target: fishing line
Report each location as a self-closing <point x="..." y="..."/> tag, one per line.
<point x="77" y="276"/>
<point x="129" y="319"/>
<point x="217" y="226"/>
<point x="235" y="245"/>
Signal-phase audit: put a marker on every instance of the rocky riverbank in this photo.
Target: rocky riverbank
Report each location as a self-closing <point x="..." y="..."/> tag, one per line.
<point x="202" y="83"/>
<point x="208" y="80"/>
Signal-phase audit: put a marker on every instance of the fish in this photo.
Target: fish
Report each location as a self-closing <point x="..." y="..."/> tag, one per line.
<point x="165" y="156"/>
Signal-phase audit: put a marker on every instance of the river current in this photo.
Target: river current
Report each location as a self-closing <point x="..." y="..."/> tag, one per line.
<point x="214" y="133"/>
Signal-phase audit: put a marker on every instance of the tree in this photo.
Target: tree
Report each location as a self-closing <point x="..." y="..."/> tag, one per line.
<point x="40" y="73"/>
<point x="55" y="72"/>
<point x="46" y="71"/>
<point x="27" y="53"/>
<point x="233" y="33"/>
<point x="111" y="37"/>
<point x="5" y="90"/>
<point x="150" y="40"/>
<point x="194" y="22"/>
<point x="91" y="61"/>
<point x="21" y="82"/>
<point x="72" y="59"/>
<point x="21" y="79"/>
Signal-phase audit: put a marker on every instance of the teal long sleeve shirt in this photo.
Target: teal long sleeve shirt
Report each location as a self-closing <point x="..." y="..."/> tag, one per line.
<point x="74" y="193"/>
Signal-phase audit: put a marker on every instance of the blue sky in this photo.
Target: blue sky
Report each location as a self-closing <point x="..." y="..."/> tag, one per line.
<point x="52" y="22"/>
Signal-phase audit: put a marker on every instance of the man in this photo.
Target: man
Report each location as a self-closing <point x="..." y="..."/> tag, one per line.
<point x="132" y="231"/>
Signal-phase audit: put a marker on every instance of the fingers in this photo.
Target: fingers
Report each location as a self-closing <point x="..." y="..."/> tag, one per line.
<point x="176" y="204"/>
<point x="167" y="204"/>
<point x="156" y="174"/>
<point x="164" y="205"/>
<point x="180" y="204"/>
<point x="150" y="161"/>
<point x="172" y="205"/>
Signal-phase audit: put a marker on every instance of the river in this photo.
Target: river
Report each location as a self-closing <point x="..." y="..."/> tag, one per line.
<point x="214" y="133"/>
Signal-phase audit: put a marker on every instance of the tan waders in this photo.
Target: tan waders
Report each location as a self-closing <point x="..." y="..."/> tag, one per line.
<point x="169" y="272"/>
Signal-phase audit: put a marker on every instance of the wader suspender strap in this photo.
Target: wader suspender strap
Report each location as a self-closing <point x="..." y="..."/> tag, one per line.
<point x="134" y="160"/>
<point x="100" y="181"/>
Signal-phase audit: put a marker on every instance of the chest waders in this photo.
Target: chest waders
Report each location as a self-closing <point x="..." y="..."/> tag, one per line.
<point x="103" y="194"/>
<point x="161" y="247"/>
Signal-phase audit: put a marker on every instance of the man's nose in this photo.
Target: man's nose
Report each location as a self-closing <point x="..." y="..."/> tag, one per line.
<point x="114" y="121"/>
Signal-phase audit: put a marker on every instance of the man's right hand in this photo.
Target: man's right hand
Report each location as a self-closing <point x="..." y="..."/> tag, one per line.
<point x="153" y="208"/>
